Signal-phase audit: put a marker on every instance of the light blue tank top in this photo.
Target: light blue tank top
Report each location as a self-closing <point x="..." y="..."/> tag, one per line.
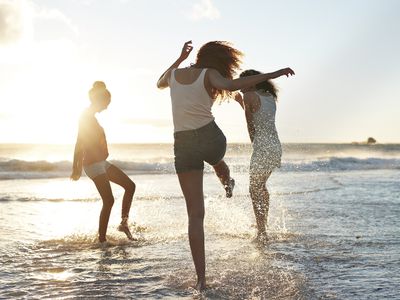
<point x="266" y="135"/>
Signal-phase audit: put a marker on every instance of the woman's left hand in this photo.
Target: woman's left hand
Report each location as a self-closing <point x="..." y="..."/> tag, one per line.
<point x="239" y="99"/>
<point x="186" y="49"/>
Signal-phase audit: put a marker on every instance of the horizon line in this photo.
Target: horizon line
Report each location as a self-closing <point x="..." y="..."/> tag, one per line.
<point x="229" y="143"/>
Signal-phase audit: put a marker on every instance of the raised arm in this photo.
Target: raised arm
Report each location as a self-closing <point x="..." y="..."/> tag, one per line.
<point x="221" y="83"/>
<point x="163" y="81"/>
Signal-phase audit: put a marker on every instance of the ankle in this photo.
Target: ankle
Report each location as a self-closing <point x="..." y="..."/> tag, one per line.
<point x="201" y="284"/>
<point x="124" y="220"/>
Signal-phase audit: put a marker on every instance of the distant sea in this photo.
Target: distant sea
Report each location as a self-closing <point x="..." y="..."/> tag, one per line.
<point x="334" y="227"/>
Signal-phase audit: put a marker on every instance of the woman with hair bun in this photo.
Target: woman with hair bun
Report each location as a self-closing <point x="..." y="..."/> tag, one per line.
<point x="197" y="138"/>
<point x="91" y="153"/>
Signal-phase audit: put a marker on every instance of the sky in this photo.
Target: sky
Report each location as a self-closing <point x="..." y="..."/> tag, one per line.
<point x="345" y="54"/>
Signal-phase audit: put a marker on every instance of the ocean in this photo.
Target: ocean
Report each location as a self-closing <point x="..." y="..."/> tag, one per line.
<point x="334" y="227"/>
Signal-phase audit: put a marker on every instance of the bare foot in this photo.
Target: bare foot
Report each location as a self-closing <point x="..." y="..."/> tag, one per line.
<point x="262" y="238"/>
<point x="229" y="187"/>
<point x="200" y="286"/>
<point x="125" y="229"/>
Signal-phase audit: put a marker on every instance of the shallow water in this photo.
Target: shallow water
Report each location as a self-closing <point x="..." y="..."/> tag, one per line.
<point x="333" y="234"/>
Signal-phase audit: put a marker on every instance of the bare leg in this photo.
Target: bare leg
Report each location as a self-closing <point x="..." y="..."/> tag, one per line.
<point x="260" y="198"/>
<point x="223" y="173"/>
<point x="103" y="186"/>
<point x="192" y="187"/>
<point x="117" y="176"/>
<point x="265" y="196"/>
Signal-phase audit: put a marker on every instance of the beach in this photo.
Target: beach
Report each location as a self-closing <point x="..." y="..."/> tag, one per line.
<point x="333" y="227"/>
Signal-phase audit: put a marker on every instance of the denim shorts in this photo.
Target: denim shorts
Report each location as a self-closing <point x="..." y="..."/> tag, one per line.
<point x="194" y="147"/>
<point x="97" y="169"/>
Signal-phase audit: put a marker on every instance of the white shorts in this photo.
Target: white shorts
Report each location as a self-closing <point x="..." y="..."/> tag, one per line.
<point x="97" y="169"/>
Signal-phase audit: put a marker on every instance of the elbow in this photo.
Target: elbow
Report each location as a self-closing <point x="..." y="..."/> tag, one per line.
<point x="161" y="86"/>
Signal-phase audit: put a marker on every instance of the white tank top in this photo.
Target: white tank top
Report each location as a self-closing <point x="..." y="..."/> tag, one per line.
<point x="191" y="104"/>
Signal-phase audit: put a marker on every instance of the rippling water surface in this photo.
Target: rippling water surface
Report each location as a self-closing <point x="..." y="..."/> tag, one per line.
<point x="333" y="234"/>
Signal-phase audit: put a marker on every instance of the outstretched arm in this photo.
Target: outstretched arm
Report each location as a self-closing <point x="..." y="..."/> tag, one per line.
<point x="163" y="81"/>
<point x="221" y="83"/>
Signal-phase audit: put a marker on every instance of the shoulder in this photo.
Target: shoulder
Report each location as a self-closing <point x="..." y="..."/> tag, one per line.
<point x="213" y="75"/>
<point x="169" y="74"/>
<point x="212" y="71"/>
<point x="86" y="118"/>
<point x="250" y="97"/>
<point x="251" y="101"/>
<point x="86" y="114"/>
<point x="83" y="116"/>
<point x="267" y="95"/>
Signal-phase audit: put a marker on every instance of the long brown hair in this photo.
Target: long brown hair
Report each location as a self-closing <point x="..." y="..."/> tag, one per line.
<point x="267" y="85"/>
<point x="221" y="56"/>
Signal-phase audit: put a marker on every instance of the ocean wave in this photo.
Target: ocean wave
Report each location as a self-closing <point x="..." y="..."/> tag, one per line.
<point x="20" y="169"/>
<point x="343" y="164"/>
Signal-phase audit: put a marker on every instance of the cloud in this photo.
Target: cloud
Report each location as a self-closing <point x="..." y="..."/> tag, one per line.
<point x="55" y="15"/>
<point x="204" y="10"/>
<point x="15" y="20"/>
<point x="19" y="19"/>
<point x="4" y="116"/>
<point x="90" y="2"/>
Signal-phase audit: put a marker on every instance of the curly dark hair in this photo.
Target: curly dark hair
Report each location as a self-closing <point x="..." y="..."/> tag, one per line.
<point x="266" y="85"/>
<point x="221" y="56"/>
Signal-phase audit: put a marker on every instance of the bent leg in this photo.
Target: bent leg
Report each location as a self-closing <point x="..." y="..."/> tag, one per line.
<point x="117" y="176"/>
<point x="103" y="186"/>
<point x="192" y="187"/>
<point x="223" y="173"/>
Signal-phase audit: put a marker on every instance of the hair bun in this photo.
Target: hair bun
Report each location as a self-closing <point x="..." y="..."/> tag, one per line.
<point x="99" y="85"/>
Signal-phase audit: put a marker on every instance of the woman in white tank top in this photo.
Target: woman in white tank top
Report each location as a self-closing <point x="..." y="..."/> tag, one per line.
<point x="259" y="103"/>
<point x="196" y="136"/>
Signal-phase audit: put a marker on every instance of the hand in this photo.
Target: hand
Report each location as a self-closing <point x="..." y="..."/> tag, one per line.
<point x="186" y="49"/>
<point x="75" y="176"/>
<point x="286" y="71"/>
<point x="238" y="98"/>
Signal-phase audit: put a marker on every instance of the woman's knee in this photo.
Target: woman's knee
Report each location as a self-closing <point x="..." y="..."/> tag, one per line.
<point x="108" y="203"/>
<point x="255" y="190"/>
<point x="130" y="187"/>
